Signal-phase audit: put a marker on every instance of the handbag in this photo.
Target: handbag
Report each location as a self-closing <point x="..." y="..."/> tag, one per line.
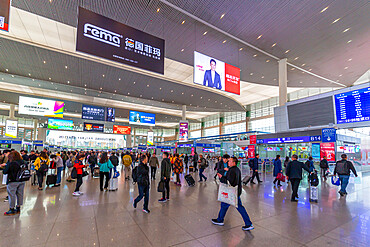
<point x="173" y="177"/>
<point x="5" y="178"/>
<point x="85" y="173"/>
<point x="228" y="194"/>
<point x="160" y="186"/>
<point x="116" y="174"/>
<point x="280" y="177"/>
<point x="74" y="173"/>
<point x="335" y="180"/>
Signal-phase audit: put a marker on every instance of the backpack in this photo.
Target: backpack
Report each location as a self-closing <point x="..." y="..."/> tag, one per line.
<point x="114" y="160"/>
<point x="341" y="167"/>
<point x="314" y="179"/>
<point x="134" y="175"/>
<point x="91" y="160"/>
<point x="69" y="163"/>
<point x="23" y="174"/>
<point x="43" y="165"/>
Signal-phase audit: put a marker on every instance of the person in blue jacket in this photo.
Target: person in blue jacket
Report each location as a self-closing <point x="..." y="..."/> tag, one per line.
<point x="277" y="169"/>
<point x="309" y="164"/>
<point x="254" y="167"/>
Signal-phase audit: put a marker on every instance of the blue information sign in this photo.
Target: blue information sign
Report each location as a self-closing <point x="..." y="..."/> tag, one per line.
<point x="142" y="118"/>
<point x="329" y="135"/>
<point x="316" y="150"/>
<point x="353" y="106"/>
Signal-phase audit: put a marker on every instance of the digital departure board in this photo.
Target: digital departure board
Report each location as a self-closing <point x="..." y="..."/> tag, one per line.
<point x="353" y="106"/>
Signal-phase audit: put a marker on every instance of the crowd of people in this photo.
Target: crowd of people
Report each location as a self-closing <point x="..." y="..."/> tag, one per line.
<point x="15" y="166"/>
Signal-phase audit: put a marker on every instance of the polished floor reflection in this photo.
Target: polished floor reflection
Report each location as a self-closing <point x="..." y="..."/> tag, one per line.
<point x="53" y="217"/>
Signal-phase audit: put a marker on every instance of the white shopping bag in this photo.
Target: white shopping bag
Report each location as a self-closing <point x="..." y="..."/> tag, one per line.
<point x="173" y="177"/>
<point x="5" y="177"/>
<point x="228" y="194"/>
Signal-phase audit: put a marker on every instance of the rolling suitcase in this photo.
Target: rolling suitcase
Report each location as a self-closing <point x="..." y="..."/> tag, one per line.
<point x="113" y="184"/>
<point x="96" y="172"/>
<point x="246" y="179"/>
<point x="51" y="179"/>
<point x="190" y="180"/>
<point x="34" y="178"/>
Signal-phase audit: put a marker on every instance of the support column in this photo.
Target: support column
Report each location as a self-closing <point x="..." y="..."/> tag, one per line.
<point x="283" y="82"/>
<point x="134" y="142"/>
<point x="12" y="111"/>
<point x="184" y="112"/>
<point x="128" y="141"/>
<point x="35" y="123"/>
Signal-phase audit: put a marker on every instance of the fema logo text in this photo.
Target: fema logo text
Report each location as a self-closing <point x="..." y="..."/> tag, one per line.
<point x="102" y="35"/>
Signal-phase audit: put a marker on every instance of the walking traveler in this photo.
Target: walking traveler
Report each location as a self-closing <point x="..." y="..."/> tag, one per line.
<point x="114" y="160"/>
<point x="59" y="166"/>
<point x="222" y="165"/>
<point x="178" y="168"/>
<point x="41" y="166"/>
<point x="154" y="164"/>
<point x="127" y="161"/>
<point x="294" y="174"/>
<point x="286" y="161"/>
<point x="70" y="163"/>
<point x="15" y="186"/>
<point x="233" y="176"/>
<point x="309" y="164"/>
<point x="93" y="161"/>
<point x="165" y="177"/>
<point x="105" y="165"/>
<point x="143" y="183"/>
<point x="277" y="169"/>
<point x="324" y="168"/>
<point x="79" y="167"/>
<point x="186" y="160"/>
<point x="343" y="168"/>
<point x="202" y="166"/>
<point x="254" y="167"/>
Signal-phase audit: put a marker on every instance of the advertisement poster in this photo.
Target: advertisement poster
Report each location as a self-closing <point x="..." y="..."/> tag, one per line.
<point x="329" y="135"/>
<point x="214" y="73"/>
<point x="253" y="139"/>
<point x="123" y="130"/>
<point x="103" y="37"/>
<point x="327" y="149"/>
<point x="93" y="127"/>
<point x="183" y="131"/>
<point x="316" y="150"/>
<point x="208" y="150"/>
<point x="4" y="15"/>
<point x="142" y="118"/>
<point x="93" y="112"/>
<point x="150" y="138"/>
<point x="11" y="128"/>
<point x="60" y="124"/>
<point x="40" y="107"/>
<point x="111" y="114"/>
<point x="251" y="151"/>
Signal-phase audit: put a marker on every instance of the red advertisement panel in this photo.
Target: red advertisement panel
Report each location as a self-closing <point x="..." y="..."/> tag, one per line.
<point x="253" y="139"/>
<point x="251" y="151"/>
<point x="327" y="149"/>
<point x="232" y="79"/>
<point x="4" y="14"/>
<point x="123" y="130"/>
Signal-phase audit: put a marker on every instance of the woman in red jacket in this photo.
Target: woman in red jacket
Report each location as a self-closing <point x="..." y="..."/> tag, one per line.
<point x="79" y="167"/>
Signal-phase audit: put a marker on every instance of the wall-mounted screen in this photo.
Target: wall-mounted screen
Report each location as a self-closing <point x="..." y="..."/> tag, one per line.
<point x="60" y="124"/>
<point x="353" y="106"/>
<point x="142" y="118"/>
<point x="208" y="150"/>
<point x="93" y="112"/>
<point x="93" y="127"/>
<point x="40" y="107"/>
<point x="110" y="115"/>
<point x="214" y="73"/>
<point x="123" y="130"/>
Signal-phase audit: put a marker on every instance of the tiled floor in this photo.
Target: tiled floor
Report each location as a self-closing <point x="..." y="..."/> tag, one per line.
<point x="53" y="217"/>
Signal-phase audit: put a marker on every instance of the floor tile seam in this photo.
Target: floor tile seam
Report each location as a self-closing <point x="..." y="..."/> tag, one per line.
<point x="59" y="210"/>
<point x="141" y="229"/>
<point x="187" y="241"/>
<point x="339" y="240"/>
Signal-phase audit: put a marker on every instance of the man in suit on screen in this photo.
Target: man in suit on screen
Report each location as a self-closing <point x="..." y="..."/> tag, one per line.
<point x="211" y="77"/>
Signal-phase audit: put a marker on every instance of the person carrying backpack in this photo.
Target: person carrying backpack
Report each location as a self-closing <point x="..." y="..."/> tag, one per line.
<point x="79" y="166"/>
<point x="41" y="166"/>
<point x="324" y="167"/>
<point x="127" y="161"/>
<point x="343" y="168"/>
<point x="92" y="160"/>
<point x="15" y="184"/>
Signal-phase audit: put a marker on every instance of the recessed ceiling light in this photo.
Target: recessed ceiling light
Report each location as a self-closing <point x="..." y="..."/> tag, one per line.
<point x="340" y="75"/>
<point x="32" y="79"/>
<point x="183" y="22"/>
<point x="162" y="99"/>
<point x="349" y="41"/>
<point x="292" y="69"/>
<point x="141" y="95"/>
<point x="44" y="61"/>
<point x="103" y="75"/>
<point x="182" y="50"/>
<point x="349" y="60"/>
<point x="241" y="49"/>
<point x="128" y="93"/>
<point x="222" y="16"/>
<point x="300" y="82"/>
<point x="345" y="30"/>
<point x="259" y="36"/>
<point x="101" y="88"/>
<point x="160" y="88"/>
<point x="336" y="20"/>
<point x="303" y="64"/>
<point x="324" y="9"/>
<point x="201" y="97"/>
<point x="68" y="82"/>
<point x="192" y="95"/>
<point x="262" y="77"/>
<point x="85" y="85"/>
<point x="205" y="33"/>
<point x="287" y="51"/>
<point x="6" y="70"/>
<point x="251" y="74"/>
<point x="49" y="78"/>
<point x="158" y="10"/>
<point x="309" y="69"/>
<point x="12" y="75"/>
<point x="29" y="74"/>
<point x="66" y="67"/>
<point x="267" y="61"/>
<point x="296" y="58"/>
<point x="345" y="67"/>
<point x="315" y="81"/>
<point x="182" y="93"/>
<point x="255" y="55"/>
<point x="119" y="79"/>
<point x="152" y="97"/>
<point x="273" y="44"/>
<point x="223" y="42"/>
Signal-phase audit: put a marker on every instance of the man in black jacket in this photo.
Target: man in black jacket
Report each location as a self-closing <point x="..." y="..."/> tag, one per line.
<point x="343" y="168"/>
<point x="254" y="168"/>
<point x="324" y="166"/>
<point x="143" y="183"/>
<point x="294" y="174"/>
<point x="165" y="177"/>
<point x="222" y="165"/>
<point x="233" y="176"/>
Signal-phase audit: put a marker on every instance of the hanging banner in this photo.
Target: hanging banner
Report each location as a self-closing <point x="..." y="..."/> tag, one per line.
<point x="11" y="128"/>
<point x="123" y="130"/>
<point x="40" y="107"/>
<point x="150" y="138"/>
<point x="253" y="139"/>
<point x="327" y="149"/>
<point x="4" y="15"/>
<point x="251" y="151"/>
<point x="183" y="131"/>
<point x="316" y="150"/>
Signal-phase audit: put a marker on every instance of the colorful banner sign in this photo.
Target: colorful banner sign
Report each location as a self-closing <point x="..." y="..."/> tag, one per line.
<point x="123" y="130"/>
<point x="11" y="128"/>
<point x="103" y="37"/>
<point x="150" y="138"/>
<point x="183" y="131"/>
<point x="142" y="118"/>
<point x="327" y="149"/>
<point x="253" y="139"/>
<point x="60" y="124"/>
<point x="251" y="151"/>
<point x="329" y="135"/>
<point x="216" y="74"/>
<point x="4" y="15"/>
<point x="208" y="150"/>
<point x="40" y="107"/>
<point x="316" y="150"/>
<point x="93" y="127"/>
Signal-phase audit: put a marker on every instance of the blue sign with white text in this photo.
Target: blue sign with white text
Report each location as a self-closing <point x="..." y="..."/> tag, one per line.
<point x="142" y="118"/>
<point x="329" y="135"/>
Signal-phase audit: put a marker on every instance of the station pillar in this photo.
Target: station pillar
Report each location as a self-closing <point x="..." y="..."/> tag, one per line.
<point x="283" y="82"/>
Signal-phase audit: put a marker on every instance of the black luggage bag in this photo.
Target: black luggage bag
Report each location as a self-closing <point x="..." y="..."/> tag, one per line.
<point x="51" y="179"/>
<point x="190" y="180"/>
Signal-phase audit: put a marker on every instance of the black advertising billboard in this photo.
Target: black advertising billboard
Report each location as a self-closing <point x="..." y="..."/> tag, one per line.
<point x="4" y="14"/>
<point x="93" y="112"/>
<point x="103" y="37"/>
<point x="93" y="127"/>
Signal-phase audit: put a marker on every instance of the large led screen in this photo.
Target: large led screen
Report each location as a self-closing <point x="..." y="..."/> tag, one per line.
<point x="60" y="124"/>
<point x="353" y="106"/>
<point x="214" y="73"/>
<point x="110" y="116"/>
<point x="103" y="37"/>
<point x="142" y="118"/>
<point x="93" y="112"/>
<point x="40" y="107"/>
<point x="93" y="127"/>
